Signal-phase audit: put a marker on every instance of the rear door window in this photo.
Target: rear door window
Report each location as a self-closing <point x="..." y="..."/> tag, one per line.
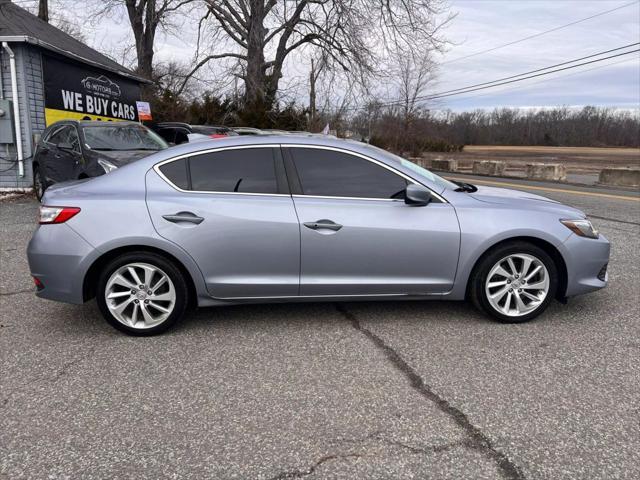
<point x="247" y="170"/>
<point x="177" y="172"/>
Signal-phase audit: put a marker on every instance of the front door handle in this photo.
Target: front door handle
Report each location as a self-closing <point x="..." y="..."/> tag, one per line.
<point x="323" y="224"/>
<point x="183" y="217"/>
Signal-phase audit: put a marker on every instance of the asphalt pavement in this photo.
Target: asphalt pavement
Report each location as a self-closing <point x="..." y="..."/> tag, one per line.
<point x="374" y="390"/>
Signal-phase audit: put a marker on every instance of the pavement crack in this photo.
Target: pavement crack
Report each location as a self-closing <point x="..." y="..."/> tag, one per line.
<point x="478" y="440"/>
<point x="26" y="290"/>
<point x="303" y="473"/>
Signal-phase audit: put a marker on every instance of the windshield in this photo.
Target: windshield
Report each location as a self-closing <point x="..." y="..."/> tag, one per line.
<point x="120" y="137"/>
<point x="429" y="175"/>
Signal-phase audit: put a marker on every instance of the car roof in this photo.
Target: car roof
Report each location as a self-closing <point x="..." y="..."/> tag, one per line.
<point x="272" y="139"/>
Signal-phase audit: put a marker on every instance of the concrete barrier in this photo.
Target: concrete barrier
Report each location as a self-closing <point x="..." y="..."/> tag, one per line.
<point x="423" y="162"/>
<point x="444" y="165"/>
<point x="546" y="171"/>
<point x="489" y="167"/>
<point x="621" y="177"/>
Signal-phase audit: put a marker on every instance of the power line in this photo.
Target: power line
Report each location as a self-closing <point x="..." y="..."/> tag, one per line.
<point x="514" y="78"/>
<point x="536" y="75"/>
<point x="546" y="79"/>
<point x="539" y="33"/>
<point x="545" y="68"/>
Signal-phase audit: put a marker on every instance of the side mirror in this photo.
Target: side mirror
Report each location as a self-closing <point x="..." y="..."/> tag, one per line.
<point x="417" y="195"/>
<point x="67" y="147"/>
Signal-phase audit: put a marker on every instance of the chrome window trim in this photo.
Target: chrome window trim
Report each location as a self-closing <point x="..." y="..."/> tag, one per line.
<point x="364" y="157"/>
<point x="329" y="197"/>
<point x="157" y="166"/>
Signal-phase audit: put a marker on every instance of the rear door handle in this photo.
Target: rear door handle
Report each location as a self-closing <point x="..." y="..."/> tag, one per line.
<point x="183" y="217"/>
<point x="323" y="224"/>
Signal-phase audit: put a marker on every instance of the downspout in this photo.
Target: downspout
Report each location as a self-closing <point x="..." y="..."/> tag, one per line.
<point x="16" y="108"/>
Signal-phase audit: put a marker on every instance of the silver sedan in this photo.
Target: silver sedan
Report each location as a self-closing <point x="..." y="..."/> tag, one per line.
<point x="295" y="218"/>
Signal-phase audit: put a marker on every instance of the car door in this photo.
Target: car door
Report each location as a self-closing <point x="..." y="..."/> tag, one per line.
<point x="62" y="164"/>
<point x="358" y="237"/>
<point x="231" y="210"/>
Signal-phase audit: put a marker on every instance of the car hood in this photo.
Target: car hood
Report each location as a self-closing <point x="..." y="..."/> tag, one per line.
<point x="121" y="157"/>
<point x="523" y="199"/>
<point x="505" y="195"/>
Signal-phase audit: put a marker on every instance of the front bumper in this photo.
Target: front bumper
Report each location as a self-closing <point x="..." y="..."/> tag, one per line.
<point x="585" y="259"/>
<point x="56" y="255"/>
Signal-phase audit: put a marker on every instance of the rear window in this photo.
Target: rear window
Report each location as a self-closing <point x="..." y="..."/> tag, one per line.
<point x="247" y="170"/>
<point x="177" y="173"/>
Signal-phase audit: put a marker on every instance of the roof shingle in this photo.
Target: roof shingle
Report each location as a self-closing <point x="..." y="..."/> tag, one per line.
<point x="16" y="22"/>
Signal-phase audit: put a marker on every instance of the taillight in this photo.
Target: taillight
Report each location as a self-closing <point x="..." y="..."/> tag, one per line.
<point x="38" y="282"/>
<point x="57" y="214"/>
<point x="218" y="135"/>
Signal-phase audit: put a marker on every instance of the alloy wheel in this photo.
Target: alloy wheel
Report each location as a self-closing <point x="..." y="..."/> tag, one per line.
<point x="517" y="284"/>
<point x="140" y="295"/>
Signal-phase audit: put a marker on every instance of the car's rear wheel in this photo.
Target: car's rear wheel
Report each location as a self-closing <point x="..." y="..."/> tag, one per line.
<point x="514" y="282"/>
<point x="142" y="293"/>
<point x="39" y="183"/>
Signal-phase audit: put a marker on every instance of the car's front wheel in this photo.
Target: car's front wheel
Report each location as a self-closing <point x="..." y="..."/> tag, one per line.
<point x="514" y="282"/>
<point x="142" y="293"/>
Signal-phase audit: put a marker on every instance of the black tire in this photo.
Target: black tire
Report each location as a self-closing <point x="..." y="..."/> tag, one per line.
<point x="479" y="275"/>
<point x="39" y="183"/>
<point x="158" y="261"/>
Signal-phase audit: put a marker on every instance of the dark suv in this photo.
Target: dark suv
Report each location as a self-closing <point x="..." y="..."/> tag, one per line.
<point x="72" y="149"/>
<point x="175" y="133"/>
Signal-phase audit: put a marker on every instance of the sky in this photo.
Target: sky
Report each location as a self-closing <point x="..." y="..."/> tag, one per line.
<point x="478" y="25"/>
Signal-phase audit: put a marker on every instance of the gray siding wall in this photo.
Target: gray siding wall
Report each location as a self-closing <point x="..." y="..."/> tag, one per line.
<point x="31" y="103"/>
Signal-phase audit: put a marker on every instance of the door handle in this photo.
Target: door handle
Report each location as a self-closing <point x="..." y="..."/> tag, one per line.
<point x="183" y="217"/>
<point x="323" y="224"/>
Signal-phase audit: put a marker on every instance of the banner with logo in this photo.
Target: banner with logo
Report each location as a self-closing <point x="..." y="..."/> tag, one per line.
<point x="80" y="92"/>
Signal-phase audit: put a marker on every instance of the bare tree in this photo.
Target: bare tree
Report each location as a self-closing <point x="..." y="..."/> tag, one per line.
<point x="145" y="17"/>
<point x="317" y="66"/>
<point x="415" y="71"/>
<point x="43" y="10"/>
<point x="352" y="34"/>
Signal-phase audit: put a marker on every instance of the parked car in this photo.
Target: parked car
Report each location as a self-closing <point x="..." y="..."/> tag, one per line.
<point x="176" y="133"/>
<point x="285" y="218"/>
<point x="72" y="149"/>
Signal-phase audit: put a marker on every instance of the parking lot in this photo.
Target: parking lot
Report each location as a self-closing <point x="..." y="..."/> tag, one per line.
<point x="320" y="390"/>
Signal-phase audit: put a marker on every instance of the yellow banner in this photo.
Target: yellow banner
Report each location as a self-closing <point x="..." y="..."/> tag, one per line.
<point x="52" y="115"/>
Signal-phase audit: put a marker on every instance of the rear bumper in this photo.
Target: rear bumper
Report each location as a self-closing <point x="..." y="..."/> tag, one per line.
<point x="585" y="259"/>
<point x="56" y="256"/>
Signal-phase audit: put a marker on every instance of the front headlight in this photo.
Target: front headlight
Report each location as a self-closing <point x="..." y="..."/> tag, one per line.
<point x="581" y="227"/>
<point x="106" y="166"/>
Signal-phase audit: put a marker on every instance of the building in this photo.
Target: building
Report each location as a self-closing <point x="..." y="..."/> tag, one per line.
<point x="45" y="76"/>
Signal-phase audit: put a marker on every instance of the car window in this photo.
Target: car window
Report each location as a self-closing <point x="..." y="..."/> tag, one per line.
<point x="74" y="140"/>
<point x="181" y="136"/>
<point x="167" y="134"/>
<point x="337" y="174"/>
<point x="60" y="135"/>
<point x="122" y="137"/>
<point x="249" y="170"/>
<point x="177" y="173"/>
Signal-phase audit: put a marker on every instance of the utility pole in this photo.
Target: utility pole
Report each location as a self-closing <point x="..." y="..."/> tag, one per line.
<point x="43" y="10"/>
